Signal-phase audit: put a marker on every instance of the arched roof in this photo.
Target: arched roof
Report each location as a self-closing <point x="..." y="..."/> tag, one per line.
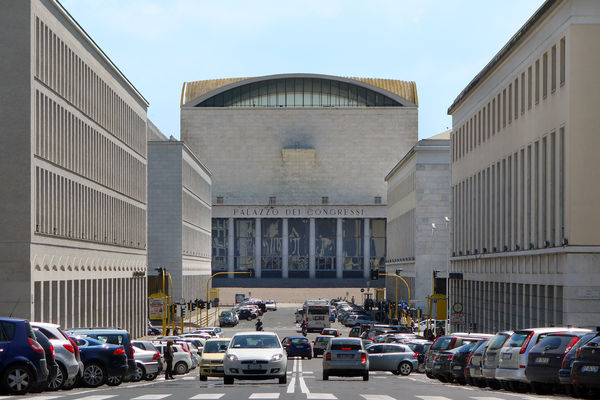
<point x="403" y="92"/>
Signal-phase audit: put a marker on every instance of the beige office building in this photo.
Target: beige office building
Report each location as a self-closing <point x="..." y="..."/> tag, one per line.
<point x="73" y="175"/>
<point x="526" y="224"/>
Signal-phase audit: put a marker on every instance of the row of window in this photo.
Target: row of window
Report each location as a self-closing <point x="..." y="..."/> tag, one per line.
<point x="403" y="189"/>
<point x="195" y="242"/>
<point x="66" y="208"/>
<point x="511" y="101"/>
<point x="60" y="68"/>
<point x="64" y="139"/>
<point x="195" y="212"/>
<point x="402" y="231"/>
<point x="494" y="306"/>
<point x="194" y="182"/>
<point x="516" y="203"/>
<point x="299" y="92"/>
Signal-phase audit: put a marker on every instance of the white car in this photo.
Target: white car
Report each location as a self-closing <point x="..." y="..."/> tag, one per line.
<point x="255" y="355"/>
<point x="271" y="305"/>
<point x="182" y="360"/>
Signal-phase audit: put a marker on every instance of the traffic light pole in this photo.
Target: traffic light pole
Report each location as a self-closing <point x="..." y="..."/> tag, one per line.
<point x="212" y="276"/>
<point x="407" y="288"/>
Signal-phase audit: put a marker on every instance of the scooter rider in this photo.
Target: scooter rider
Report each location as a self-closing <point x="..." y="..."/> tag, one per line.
<point x="259" y="325"/>
<point x="304" y="327"/>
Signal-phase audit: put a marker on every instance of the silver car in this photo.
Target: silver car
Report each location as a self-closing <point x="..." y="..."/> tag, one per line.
<point x="397" y="358"/>
<point x="146" y="364"/>
<point x="69" y="366"/>
<point x="147" y="345"/>
<point x="345" y="357"/>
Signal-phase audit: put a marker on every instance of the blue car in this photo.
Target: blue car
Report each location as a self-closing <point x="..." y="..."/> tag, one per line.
<point x="23" y="363"/>
<point x="102" y="362"/>
<point x="297" y="346"/>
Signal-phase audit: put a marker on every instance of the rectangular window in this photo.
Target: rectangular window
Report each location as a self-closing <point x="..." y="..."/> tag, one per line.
<point x="475" y="132"/>
<point x="324" y="200"/>
<point x="553" y="77"/>
<point x="545" y="75"/>
<point x="272" y="236"/>
<point x="537" y="81"/>
<point x="244" y="243"/>
<point x="352" y="243"/>
<point x="498" y="112"/>
<point x="509" y="111"/>
<point x="483" y="123"/>
<point x="563" y="56"/>
<point x="523" y="93"/>
<point x="493" y="116"/>
<point x="488" y="120"/>
<point x="543" y="189"/>
<point x="504" y="108"/>
<point x="516" y="98"/>
<point x="325" y="243"/>
<point x="553" y="188"/>
<point x="272" y="200"/>
<point x="561" y="184"/>
<point x="509" y="202"/>
<point x="529" y="88"/>
<point x="298" y="246"/>
<point x="529" y="202"/>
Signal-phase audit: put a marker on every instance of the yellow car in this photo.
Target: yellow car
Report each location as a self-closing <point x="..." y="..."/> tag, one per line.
<point x="211" y="361"/>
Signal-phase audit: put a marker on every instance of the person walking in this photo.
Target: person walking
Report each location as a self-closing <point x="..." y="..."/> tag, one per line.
<point x="169" y="360"/>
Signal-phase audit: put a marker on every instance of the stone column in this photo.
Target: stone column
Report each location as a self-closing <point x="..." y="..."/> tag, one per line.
<point x="311" y="250"/>
<point x="257" y="248"/>
<point x="284" y="248"/>
<point x="366" y="249"/>
<point x="230" y="248"/>
<point x="339" y="251"/>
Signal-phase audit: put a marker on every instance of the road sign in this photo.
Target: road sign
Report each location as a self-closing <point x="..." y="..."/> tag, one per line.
<point x="156" y="309"/>
<point x="362" y="290"/>
<point x="457" y="318"/>
<point x="404" y="305"/>
<point x="457" y="308"/>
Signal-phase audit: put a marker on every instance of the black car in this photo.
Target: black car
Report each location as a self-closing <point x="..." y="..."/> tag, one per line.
<point x="585" y="372"/>
<point x="564" y="374"/>
<point x="545" y="360"/>
<point x="244" y="313"/>
<point x="445" y="343"/>
<point x="102" y="362"/>
<point x="50" y="361"/>
<point x="442" y="368"/>
<point x="420" y="348"/>
<point x="460" y="361"/>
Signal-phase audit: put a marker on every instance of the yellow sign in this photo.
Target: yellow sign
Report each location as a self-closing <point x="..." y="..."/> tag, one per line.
<point x="213" y="293"/>
<point x="379" y="294"/>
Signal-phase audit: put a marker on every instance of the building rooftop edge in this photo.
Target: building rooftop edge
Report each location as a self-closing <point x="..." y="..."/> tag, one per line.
<point x="60" y="8"/>
<point x="422" y="145"/>
<point x="504" y="51"/>
<point x="183" y="145"/>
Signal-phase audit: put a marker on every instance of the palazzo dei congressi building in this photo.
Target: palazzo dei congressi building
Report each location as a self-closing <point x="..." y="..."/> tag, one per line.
<point x="298" y="163"/>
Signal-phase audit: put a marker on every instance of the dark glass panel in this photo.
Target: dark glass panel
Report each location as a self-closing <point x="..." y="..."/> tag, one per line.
<point x="298" y="237"/>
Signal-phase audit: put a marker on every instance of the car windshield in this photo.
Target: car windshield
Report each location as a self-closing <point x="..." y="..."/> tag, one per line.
<point x="299" y="341"/>
<point x="497" y="341"/>
<point x="323" y="339"/>
<point x="442" y="343"/>
<point x="255" y="342"/>
<point x="226" y="314"/>
<point x="217" y="346"/>
<point x="517" y="339"/>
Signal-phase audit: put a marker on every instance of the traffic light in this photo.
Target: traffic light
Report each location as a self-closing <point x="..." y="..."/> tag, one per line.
<point x="173" y="309"/>
<point x="374" y="274"/>
<point x="201" y="304"/>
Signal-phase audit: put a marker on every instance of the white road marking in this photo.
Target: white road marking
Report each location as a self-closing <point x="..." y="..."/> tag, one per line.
<point x="433" y="397"/>
<point x="377" y="397"/>
<point x="264" y="396"/>
<point x="380" y="377"/>
<point x="98" y="397"/>
<point x="487" y="398"/>
<point x="303" y="387"/>
<point x="292" y="385"/>
<point x="151" y="397"/>
<point x="37" y="398"/>
<point x="320" y="396"/>
<point x="208" y="396"/>
<point x="413" y="379"/>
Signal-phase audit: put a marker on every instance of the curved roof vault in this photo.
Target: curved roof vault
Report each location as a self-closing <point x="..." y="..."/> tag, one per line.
<point x="196" y="92"/>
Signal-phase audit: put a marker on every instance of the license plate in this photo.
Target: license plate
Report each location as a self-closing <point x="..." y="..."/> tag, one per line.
<point x="590" y="368"/>
<point x="491" y="357"/>
<point x="345" y="356"/>
<point x="437" y="366"/>
<point x="254" y="366"/>
<point x="218" y="369"/>
<point x="506" y="356"/>
<point x="542" y="360"/>
<point x="457" y="367"/>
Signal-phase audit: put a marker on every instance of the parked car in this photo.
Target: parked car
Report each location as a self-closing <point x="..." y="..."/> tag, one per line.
<point x="23" y="364"/>
<point x="545" y="359"/>
<point x="564" y="374"/>
<point x="119" y="337"/>
<point x="182" y="360"/>
<point x="462" y="356"/>
<point x="345" y="357"/>
<point x="419" y="347"/>
<point x="197" y="342"/>
<point x="442" y="361"/>
<point x="297" y="346"/>
<point x="330" y="332"/>
<point x="102" y="362"/>
<point x="255" y="355"/>
<point x="69" y="367"/>
<point x="473" y="370"/>
<point x="585" y="372"/>
<point x="146" y="345"/>
<point x="228" y="318"/>
<point x="513" y="355"/>
<point x="146" y="364"/>
<point x="320" y="344"/>
<point x="397" y="358"/>
<point x="211" y="361"/>
<point x="449" y="342"/>
<point x="50" y="359"/>
<point x="358" y="319"/>
<point x="491" y="359"/>
<point x="271" y="305"/>
<point x="245" y="313"/>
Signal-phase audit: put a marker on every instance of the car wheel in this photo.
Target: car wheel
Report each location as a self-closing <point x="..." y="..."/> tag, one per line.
<point x="325" y="376"/>
<point x="181" y="368"/>
<point x="228" y="380"/>
<point x="71" y="383"/>
<point x="538" y="388"/>
<point x="17" y="379"/>
<point x="114" y="380"/>
<point x="249" y="318"/>
<point x="442" y="379"/>
<point x="150" y="377"/>
<point x="59" y="379"/>
<point x="203" y="377"/>
<point x="429" y="375"/>
<point x="310" y="357"/>
<point x="93" y="375"/>
<point x="139" y="373"/>
<point x="405" y="368"/>
<point x="283" y="379"/>
<point x="315" y="355"/>
<point x="366" y="376"/>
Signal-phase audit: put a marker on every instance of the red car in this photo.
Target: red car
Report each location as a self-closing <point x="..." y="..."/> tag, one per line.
<point x="330" y="332"/>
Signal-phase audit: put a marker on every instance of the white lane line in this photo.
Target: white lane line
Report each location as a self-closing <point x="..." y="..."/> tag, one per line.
<point x="208" y="396"/>
<point x="151" y="397"/>
<point x="291" y="387"/>
<point x="380" y="377"/>
<point x="377" y="397"/>
<point x="320" y="396"/>
<point x="37" y="398"/>
<point x="303" y="387"/>
<point x="264" y="396"/>
<point x="413" y="379"/>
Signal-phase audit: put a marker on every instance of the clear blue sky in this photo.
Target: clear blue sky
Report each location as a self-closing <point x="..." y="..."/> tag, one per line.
<point x="442" y="45"/>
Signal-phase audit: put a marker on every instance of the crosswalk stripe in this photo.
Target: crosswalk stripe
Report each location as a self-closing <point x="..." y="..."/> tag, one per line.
<point x="151" y="397"/>
<point x="320" y="396"/>
<point x="377" y="397"/>
<point x="38" y="398"/>
<point x="97" y="397"/>
<point x="487" y="398"/>
<point x="433" y="397"/>
<point x="264" y="396"/>
<point x="208" y="396"/>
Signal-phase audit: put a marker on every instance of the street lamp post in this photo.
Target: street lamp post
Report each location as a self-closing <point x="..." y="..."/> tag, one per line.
<point x="407" y="288"/>
<point x="220" y="273"/>
<point x="166" y="321"/>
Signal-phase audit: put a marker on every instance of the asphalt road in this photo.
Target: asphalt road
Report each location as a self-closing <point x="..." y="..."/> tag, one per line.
<point x="304" y="382"/>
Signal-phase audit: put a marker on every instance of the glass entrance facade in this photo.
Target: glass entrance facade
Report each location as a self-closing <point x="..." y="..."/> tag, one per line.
<point x="271" y="247"/>
<point x="298" y="247"/>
